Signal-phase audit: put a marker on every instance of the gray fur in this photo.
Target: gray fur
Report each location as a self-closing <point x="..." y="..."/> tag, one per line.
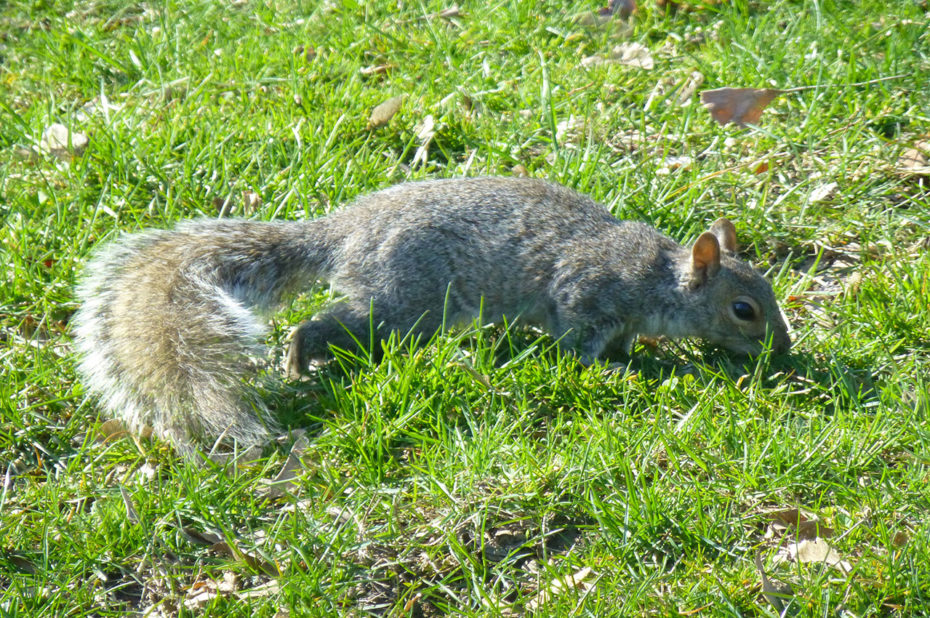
<point x="166" y="333"/>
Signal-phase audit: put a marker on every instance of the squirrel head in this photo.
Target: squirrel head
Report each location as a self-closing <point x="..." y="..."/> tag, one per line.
<point x="741" y="312"/>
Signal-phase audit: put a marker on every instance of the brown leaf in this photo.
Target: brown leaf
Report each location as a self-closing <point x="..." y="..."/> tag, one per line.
<point x="803" y="525"/>
<point x="741" y="106"/>
<point x="131" y="514"/>
<point x="634" y="55"/>
<point x="267" y="589"/>
<point x="232" y="550"/>
<point x="112" y="429"/>
<point x="623" y="8"/>
<point x="818" y="550"/>
<point x="62" y="142"/>
<point x="628" y="54"/>
<point x="690" y="86"/>
<point x="426" y="131"/>
<point x="559" y="586"/>
<point x="203" y="592"/>
<point x="914" y="162"/>
<point x="200" y="537"/>
<point x="377" y="69"/>
<point x="382" y="114"/>
<point x="900" y="538"/>
<point x="250" y="202"/>
<point x="287" y="479"/>
<point x="775" y="592"/>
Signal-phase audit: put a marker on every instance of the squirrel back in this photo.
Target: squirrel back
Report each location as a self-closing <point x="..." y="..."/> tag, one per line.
<point x="167" y="332"/>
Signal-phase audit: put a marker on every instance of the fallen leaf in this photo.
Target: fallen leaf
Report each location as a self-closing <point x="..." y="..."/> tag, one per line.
<point x="914" y="161"/>
<point x="634" y="55"/>
<point x="690" y="86"/>
<point x="382" y="114"/>
<point x="264" y="590"/>
<point x="900" y="538"/>
<point x="559" y="586"/>
<point x="741" y="106"/>
<point x="250" y="202"/>
<point x="778" y="594"/>
<point x="378" y="69"/>
<point x="131" y="514"/>
<point x="803" y="525"/>
<point x="257" y="563"/>
<point x="203" y="592"/>
<point x="60" y="141"/>
<point x="623" y="8"/>
<point x="818" y="550"/>
<point x="200" y="537"/>
<point x="671" y="164"/>
<point x="628" y="54"/>
<point x="823" y="192"/>
<point x="286" y="480"/>
<point x="426" y="131"/>
<point x="21" y="562"/>
<point x="112" y="429"/>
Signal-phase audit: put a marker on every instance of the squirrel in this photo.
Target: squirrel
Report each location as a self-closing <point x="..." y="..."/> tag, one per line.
<point x="166" y="330"/>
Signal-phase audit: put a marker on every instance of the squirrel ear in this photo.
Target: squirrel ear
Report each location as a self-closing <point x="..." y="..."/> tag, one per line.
<point x="725" y="232"/>
<point x="705" y="258"/>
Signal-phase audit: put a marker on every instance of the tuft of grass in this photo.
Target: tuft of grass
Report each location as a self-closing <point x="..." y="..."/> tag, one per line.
<point x="480" y="473"/>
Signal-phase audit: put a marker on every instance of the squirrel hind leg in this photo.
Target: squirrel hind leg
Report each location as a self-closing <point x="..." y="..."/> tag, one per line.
<point x="344" y="327"/>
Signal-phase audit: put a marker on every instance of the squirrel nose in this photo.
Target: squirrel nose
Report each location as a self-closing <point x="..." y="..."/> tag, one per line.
<point x="781" y="343"/>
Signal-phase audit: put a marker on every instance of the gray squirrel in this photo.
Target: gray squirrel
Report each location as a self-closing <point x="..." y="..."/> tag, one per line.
<point x="166" y="331"/>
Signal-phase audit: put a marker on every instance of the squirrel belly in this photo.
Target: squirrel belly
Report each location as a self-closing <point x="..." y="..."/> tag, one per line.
<point x="169" y="327"/>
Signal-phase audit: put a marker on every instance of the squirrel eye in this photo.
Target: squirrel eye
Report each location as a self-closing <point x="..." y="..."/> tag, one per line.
<point x="743" y="311"/>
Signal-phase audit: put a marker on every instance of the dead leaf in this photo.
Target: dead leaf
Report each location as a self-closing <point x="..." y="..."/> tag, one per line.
<point x="250" y="202"/>
<point x="231" y="550"/>
<point x="853" y="284"/>
<point x="777" y="593"/>
<point x="690" y="86"/>
<point x="21" y="562"/>
<point x="628" y="54"/>
<point x="286" y="480"/>
<point x="900" y="538"/>
<point x="794" y="521"/>
<point x="823" y="192"/>
<point x="200" y="537"/>
<point x="131" y="514"/>
<point x="112" y="429"/>
<point x="623" y="8"/>
<point x="377" y="69"/>
<point x="426" y="131"/>
<point x="634" y="55"/>
<point x="266" y="589"/>
<point x="818" y="550"/>
<point x="670" y="164"/>
<point x="913" y="161"/>
<point x="202" y="592"/>
<point x="559" y="586"/>
<point x="60" y="141"/>
<point x="382" y="114"/>
<point x="741" y="106"/>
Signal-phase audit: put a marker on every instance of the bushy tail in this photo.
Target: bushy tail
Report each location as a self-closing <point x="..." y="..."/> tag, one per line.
<point x="166" y="332"/>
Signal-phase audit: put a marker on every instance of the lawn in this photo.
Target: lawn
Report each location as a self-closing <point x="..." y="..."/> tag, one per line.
<point x="481" y="473"/>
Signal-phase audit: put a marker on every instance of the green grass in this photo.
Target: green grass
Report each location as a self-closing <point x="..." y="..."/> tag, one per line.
<point x="468" y="474"/>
